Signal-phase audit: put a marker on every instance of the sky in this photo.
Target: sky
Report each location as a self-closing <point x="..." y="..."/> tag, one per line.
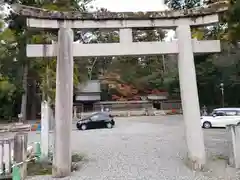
<point x="133" y="6"/>
<point x="130" y="5"/>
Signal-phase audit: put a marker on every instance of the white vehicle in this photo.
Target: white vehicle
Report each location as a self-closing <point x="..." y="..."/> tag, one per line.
<point x="221" y="117"/>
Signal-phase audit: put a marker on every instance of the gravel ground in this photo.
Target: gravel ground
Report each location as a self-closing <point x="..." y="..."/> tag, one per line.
<point x="144" y="148"/>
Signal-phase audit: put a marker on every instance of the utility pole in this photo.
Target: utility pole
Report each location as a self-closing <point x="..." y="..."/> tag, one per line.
<point x="222" y="92"/>
<point x="90" y="68"/>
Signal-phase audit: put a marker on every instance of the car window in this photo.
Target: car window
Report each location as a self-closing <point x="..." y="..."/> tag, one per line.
<point x="103" y="116"/>
<point x="238" y="113"/>
<point x="95" y="117"/>
<point x="231" y="113"/>
<point x="219" y="113"/>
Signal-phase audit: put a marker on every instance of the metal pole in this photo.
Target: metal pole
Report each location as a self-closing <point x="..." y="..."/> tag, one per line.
<point x="222" y="91"/>
<point x="163" y="60"/>
<point x="222" y="97"/>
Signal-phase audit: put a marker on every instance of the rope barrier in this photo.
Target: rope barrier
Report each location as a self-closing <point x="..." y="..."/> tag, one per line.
<point x="26" y="161"/>
<point x="16" y="173"/>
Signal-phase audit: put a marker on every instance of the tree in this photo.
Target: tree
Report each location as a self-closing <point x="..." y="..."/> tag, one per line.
<point x="7" y="98"/>
<point x="9" y="93"/>
<point x="233" y="20"/>
<point x="182" y="4"/>
<point x="22" y="36"/>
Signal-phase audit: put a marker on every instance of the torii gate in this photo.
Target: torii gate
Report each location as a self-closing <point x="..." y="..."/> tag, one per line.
<point x="65" y="50"/>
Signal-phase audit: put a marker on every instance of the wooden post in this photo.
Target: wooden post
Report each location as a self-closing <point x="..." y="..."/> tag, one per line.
<point x="51" y="121"/>
<point x="7" y="156"/>
<point x="234" y="156"/>
<point x="64" y="103"/>
<point x="20" y="152"/>
<point x="1" y="157"/>
<point x="75" y="112"/>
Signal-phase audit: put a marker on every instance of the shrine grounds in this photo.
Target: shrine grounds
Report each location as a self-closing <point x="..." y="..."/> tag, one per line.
<point x="145" y="148"/>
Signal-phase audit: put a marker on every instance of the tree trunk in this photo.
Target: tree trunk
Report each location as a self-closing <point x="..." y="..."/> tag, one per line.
<point x="33" y="101"/>
<point x="24" y="95"/>
<point x="22" y="57"/>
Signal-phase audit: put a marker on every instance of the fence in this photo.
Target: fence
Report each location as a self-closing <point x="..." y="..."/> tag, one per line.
<point x="129" y="106"/>
<point x="171" y="104"/>
<point x="123" y="105"/>
<point x="134" y="105"/>
<point x="15" y="155"/>
<point x="6" y="154"/>
<point x="14" y="151"/>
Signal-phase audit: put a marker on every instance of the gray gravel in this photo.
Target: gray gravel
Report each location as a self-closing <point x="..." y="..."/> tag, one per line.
<point x="144" y="148"/>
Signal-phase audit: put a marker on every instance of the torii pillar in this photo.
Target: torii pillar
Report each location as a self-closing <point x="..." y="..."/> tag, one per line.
<point x="189" y="97"/>
<point x="63" y="104"/>
<point x="185" y="47"/>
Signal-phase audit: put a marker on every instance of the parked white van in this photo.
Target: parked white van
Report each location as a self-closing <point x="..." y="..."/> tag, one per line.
<point x="221" y="117"/>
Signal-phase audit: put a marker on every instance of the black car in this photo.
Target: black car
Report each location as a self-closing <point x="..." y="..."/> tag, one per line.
<point x="96" y="120"/>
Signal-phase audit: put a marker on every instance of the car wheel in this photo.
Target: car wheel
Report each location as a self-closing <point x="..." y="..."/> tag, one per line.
<point x="109" y="125"/>
<point x="238" y="124"/>
<point x="207" y="125"/>
<point x="83" y="127"/>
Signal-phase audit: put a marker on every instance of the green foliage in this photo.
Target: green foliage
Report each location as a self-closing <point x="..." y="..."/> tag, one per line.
<point x="13" y="58"/>
<point x="7" y="98"/>
<point x="233" y="20"/>
<point x="182" y="4"/>
<point x="221" y="67"/>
